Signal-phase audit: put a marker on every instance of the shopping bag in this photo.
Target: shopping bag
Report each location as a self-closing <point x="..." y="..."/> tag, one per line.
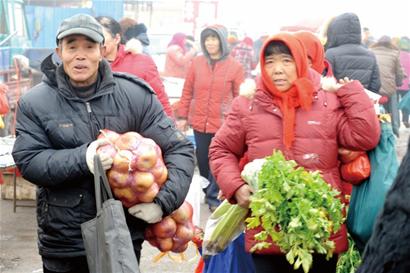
<point x="356" y="171"/>
<point x="367" y="199"/>
<point x="107" y="239"/>
<point x="405" y="102"/>
<point x="234" y="259"/>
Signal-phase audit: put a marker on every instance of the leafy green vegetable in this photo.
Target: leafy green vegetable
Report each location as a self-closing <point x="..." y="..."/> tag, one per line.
<point x="222" y="227"/>
<point x="296" y="208"/>
<point x="349" y="261"/>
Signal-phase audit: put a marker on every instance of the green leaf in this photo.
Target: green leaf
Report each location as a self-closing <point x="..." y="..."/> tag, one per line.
<point x="307" y="263"/>
<point x="290" y="256"/>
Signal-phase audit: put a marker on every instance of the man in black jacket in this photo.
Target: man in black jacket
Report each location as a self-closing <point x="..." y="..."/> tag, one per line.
<point x="57" y="125"/>
<point x="348" y="57"/>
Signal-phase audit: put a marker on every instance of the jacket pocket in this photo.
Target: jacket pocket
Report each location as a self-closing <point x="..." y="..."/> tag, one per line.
<point x="62" y="211"/>
<point x="64" y="199"/>
<point x="167" y="135"/>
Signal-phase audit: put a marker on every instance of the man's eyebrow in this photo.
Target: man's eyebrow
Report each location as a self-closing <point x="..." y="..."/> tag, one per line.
<point x="73" y="39"/>
<point x="90" y="40"/>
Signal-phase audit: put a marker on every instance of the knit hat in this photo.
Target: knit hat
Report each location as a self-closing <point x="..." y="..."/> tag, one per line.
<point x="135" y="30"/>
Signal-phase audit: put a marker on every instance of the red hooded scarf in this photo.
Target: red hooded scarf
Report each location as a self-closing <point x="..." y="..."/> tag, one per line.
<point x="300" y="94"/>
<point x="314" y="48"/>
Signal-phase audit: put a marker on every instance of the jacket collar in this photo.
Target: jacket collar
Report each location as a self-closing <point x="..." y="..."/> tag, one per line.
<point x="56" y="77"/>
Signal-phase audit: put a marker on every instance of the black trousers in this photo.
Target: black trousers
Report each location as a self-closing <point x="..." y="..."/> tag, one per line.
<point x="279" y="264"/>
<point x="202" y="141"/>
<point x="65" y="265"/>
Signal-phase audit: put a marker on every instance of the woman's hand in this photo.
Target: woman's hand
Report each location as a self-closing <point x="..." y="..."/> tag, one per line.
<point x="344" y="81"/>
<point x="330" y="84"/>
<point x="242" y="196"/>
<point x="182" y="125"/>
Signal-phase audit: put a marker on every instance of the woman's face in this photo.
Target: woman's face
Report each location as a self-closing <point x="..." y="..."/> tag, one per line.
<point x="282" y="70"/>
<point x="110" y="44"/>
<point x="212" y="46"/>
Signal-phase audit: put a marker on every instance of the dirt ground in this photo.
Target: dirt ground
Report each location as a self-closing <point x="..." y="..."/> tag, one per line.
<point x="18" y="247"/>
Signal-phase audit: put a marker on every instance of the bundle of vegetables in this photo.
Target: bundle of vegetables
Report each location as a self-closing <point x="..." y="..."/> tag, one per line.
<point x="174" y="232"/>
<point x="223" y="226"/>
<point x="138" y="170"/>
<point x="296" y="208"/>
<point x="349" y="261"/>
<point x="227" y="221"/>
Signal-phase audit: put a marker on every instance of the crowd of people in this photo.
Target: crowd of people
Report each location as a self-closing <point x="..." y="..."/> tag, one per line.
<point x="308" y="100"/>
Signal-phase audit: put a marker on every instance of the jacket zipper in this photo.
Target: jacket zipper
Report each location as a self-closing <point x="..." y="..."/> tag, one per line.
<point x="93" y="130"/>
<point x="209" y="95"/>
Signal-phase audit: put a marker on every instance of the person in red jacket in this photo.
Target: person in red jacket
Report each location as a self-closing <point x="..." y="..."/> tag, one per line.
<point x="212" y="82"/>
<point x="292" y="113"/>
<point x="179" y="57"/>
<point x="140" y="65"/>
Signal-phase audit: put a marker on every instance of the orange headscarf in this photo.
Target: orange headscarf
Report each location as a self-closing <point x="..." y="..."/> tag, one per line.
<point x="314" y="48"/>
<point x="300" y="94"/>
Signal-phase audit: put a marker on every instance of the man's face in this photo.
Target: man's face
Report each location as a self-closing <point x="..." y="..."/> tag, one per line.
<point x="80" y="57"/>
<point x="282" y="70"/>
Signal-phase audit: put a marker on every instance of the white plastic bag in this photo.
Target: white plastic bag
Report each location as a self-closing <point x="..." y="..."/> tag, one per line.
<point x="194" y="198"/>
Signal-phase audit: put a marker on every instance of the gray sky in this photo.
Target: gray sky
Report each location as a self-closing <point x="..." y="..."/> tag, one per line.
<point x="382" y="17"/>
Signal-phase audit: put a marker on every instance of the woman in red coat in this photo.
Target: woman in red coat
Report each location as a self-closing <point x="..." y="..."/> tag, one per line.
<point x="292" y="113"/>
<point x="212" y="82"/>
<point x="178" y="57"/>
<point x="137" y="64"/>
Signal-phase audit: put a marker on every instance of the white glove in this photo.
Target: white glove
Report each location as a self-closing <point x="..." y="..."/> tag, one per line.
<point x="149" y="212"/>
<point x="106" y="160"/>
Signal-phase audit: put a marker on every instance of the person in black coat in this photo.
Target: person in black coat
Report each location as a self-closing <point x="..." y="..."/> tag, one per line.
<point x="58" y="122"/>
<point x="348" y="57"/>
<point x="388" y="250"/>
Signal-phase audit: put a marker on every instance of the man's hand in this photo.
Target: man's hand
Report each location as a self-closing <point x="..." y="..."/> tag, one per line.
<point x="149" y="212"/>
<point x="106" y="160"/>
<point x="242" y="196"/>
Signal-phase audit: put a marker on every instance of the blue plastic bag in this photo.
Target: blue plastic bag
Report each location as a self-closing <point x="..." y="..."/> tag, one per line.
<point x="367" y="199"/>
<point x="234" y="259"/>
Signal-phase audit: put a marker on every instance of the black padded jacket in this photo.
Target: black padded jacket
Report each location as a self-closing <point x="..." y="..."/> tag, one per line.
<point x="348" y="57"/>
<point x="53" y="130"/>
